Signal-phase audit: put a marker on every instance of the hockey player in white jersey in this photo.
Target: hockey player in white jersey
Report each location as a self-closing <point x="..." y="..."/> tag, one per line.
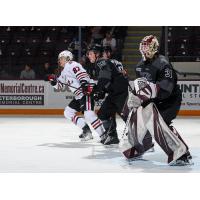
<point x="79" y="82"/>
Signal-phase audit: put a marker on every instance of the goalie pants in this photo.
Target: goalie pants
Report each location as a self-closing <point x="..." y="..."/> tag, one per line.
<point x="169" y="108"/>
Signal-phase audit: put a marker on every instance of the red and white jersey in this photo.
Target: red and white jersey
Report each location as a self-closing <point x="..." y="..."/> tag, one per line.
<point x="72" y="74"/>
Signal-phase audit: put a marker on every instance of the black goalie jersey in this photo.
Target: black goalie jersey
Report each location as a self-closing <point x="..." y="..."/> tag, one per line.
<point x="160" y="71"/>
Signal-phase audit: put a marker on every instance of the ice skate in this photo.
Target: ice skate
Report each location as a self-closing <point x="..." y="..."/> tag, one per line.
<point x="86" y="134"/>
<point x="185" y="159"/>
<point x="132" y="151"/>
<point x="111" y="140"/>
<point x="103" y="137"/>
<point x="152" y="149"/>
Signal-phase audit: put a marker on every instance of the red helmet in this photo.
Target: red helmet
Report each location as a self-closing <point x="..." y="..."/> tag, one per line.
<point x="149" y="46"/>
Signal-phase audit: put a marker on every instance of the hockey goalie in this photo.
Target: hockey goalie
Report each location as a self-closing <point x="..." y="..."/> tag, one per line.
<point x="151" y="106"/>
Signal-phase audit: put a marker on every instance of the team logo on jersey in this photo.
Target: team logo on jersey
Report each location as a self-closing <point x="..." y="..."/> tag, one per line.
<point x="146" y="75"/>
<point x="101" y="63"/>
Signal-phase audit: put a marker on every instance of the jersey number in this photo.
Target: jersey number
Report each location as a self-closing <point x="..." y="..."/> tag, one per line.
<point x="76" y="69"/>
<point x="168" y="73"/>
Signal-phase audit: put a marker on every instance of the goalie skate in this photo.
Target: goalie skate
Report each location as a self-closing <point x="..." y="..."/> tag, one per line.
<point x="185" y="159"/>
<point x="152" y="149"/>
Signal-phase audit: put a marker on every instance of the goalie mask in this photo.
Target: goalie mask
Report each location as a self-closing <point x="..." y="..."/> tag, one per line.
<point x="148" y="47"/>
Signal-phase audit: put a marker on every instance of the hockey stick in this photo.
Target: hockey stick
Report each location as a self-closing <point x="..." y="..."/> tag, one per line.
<point x="130" y="88"/>
<point x="79" y="88"/>
<point x="58" y="81"/>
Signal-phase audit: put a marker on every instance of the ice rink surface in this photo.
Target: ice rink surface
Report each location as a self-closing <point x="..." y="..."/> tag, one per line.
<point x="51" y="144"/>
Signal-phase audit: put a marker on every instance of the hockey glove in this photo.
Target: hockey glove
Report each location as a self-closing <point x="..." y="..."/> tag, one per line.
<point x="99" y="95"/>
<point x="87" y="88"/>
<point x="51" y="78"/>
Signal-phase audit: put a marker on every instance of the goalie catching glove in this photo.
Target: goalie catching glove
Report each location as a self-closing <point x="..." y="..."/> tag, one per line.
<point x="145" y="90"/>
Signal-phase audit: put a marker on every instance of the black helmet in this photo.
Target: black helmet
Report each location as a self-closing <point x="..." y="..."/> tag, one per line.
<point x="107" y="49"/>
<point x="97" y="48"/>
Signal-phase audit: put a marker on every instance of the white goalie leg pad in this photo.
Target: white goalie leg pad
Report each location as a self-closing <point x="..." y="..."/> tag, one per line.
<point x="70" y="114"/>
<point x="132" y="101"/>
<point x="95" y="122"/>
<point x="137" y="126"/>
<point x="124" y="144"/>
<point x="168" y="141"/>
<point x="134" y="133"/>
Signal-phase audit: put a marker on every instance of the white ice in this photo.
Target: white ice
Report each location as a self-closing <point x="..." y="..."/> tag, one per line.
<point x="51" y="144"/>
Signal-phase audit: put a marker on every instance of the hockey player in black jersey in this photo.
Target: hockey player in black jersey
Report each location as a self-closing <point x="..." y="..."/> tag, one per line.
<point x="107" y="54"/>
<point x="156" y="86"/>
<point x="111" y="81"/>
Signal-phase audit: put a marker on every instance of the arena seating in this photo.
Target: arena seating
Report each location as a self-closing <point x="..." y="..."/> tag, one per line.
<point x="35" y="45"/>
<point x="183" y="43"/>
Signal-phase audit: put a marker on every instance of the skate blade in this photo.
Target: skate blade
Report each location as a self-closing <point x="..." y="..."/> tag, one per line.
<point x="138" y="158"/>
<point x="111" y="145"/>
<point x="150" y="150"/>
<point x="86" y="139"/>
<point x="182" y="163"/>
